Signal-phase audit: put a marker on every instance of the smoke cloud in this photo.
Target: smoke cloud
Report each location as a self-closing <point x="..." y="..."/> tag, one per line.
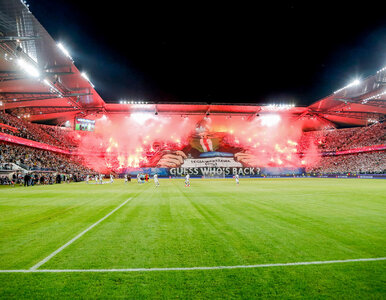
<point x="119" y="142"/>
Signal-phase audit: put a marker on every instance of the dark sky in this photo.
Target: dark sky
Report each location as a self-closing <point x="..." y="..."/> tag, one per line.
<point x="195" y="52"/>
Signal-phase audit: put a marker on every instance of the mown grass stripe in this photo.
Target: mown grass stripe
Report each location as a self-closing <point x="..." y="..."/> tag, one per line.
<point x="33" y="268"/>
<point x="197" y="268"/>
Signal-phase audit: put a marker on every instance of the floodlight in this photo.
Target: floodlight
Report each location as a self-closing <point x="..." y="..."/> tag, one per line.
<point x="355" y="82"/>
<point x="270" y="120"/>
<point x="28" y="68"/>
<point x="141" y="118"/>
<point x="84" y="75"/>
<point x="64" y="50"/>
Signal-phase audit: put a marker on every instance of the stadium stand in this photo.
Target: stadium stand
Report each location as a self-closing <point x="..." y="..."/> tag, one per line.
<point x="28" y="130"/>
<point x="45" y="163"/>
<point x="62" y="135"/>
<point x="356" y="163"/>
<point x="344" y="139"/>
<point x="36" y="159"/>
<point x="41" y="163"/>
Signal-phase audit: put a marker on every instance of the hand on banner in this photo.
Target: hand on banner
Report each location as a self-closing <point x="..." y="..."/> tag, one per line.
<point x="247" y="159"/>
<point x="172" y="159"/>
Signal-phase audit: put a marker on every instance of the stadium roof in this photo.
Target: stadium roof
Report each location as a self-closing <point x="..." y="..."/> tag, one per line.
<point x="36" y="77"/>
<point x="39" y="81"/>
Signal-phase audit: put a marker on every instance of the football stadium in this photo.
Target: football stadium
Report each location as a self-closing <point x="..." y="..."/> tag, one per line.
<point x="164" y="199"/>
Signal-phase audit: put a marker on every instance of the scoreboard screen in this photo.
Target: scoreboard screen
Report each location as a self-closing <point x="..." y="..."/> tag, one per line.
<point x="84" y="124"/>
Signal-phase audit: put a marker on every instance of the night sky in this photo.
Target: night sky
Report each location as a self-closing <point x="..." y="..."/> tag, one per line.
<point x="284" y="52"/>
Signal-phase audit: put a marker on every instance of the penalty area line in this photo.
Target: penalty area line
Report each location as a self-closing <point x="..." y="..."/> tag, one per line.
<point x="196" y="268"/>
<point x="35" y="267"/>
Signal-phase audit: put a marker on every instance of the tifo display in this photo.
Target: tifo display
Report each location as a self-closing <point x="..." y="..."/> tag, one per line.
<point x="210" y="147"/>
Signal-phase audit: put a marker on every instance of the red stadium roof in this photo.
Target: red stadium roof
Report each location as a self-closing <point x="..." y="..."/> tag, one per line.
<point x="60" y="92"/>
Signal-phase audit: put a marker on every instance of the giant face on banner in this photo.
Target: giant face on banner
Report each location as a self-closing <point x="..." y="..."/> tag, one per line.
<point x="219" y="145"/>
<point x="206" y="151"/>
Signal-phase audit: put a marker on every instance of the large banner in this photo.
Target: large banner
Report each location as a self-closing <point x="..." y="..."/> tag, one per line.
<point x="212" y="164"/>
<point x="218" y="154"/>
<point x="216" y="172"/>
<point x="223" y="150"/>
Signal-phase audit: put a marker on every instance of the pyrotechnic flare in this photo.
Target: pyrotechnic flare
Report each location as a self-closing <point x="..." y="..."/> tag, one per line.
<point x="122" y="143"/>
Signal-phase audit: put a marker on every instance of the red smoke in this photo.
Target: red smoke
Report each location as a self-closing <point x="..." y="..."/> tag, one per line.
<point x="128" y="141"/>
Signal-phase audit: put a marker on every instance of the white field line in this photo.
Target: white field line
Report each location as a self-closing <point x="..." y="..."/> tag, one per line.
<point x="323" y="262"/>
<point x="75" y="238"/>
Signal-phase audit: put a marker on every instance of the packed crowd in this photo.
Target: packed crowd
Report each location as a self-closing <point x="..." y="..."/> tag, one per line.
<point x="370" y="135"/>
<point x="46" y="165"/>
<point x="343" y="139"/>
<point x="35" y="132"/>
<point x="64" y="135"/>
<point x="34" y="159"/>
<point x="358" y="163"/>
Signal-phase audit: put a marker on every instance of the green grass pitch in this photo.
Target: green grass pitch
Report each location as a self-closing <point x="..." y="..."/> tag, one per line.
<point x="212" y="223"/>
